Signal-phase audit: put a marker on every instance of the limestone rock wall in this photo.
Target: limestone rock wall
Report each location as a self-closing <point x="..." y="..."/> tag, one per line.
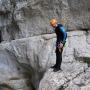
<point x="75" y="66"/>
<point x="27" y="48"/>
<point x="25" y="18"/>
<point x="34" y="56"/>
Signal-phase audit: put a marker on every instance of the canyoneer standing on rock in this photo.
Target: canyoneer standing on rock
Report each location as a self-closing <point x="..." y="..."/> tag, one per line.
<point x="61" y="35"/>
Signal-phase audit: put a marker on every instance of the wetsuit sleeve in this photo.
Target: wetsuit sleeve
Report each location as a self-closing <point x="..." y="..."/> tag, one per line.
<point x="64" y="34"/>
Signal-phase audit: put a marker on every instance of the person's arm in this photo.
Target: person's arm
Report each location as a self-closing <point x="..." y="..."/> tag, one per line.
<point x="64" y="34"/>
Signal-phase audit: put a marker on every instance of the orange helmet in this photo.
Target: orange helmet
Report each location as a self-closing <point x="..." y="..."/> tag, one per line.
<point x="53" y="22"/>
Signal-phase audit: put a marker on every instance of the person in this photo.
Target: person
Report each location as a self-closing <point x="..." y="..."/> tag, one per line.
<point x="61" y="35"/>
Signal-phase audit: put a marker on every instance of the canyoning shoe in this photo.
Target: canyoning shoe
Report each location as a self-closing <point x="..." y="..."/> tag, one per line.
<point x="57" y="69"/>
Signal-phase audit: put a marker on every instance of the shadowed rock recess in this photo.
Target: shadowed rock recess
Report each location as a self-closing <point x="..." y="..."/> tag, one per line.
<point x="27" y="45"/>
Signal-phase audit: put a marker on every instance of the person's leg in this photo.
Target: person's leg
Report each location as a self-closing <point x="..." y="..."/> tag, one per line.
<point x="57" y="66"/>
<point x="58" y="58"/>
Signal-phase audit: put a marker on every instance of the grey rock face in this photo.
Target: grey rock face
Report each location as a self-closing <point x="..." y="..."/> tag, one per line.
<point x="32" y="56"/>
<point x="12" y="74"/>
<point x="25" y="18"/>
<point x="36" y="54"/>
<point x="75" y="72"/>
<point x="25" y="59"/>
<point x="62" y="80"/>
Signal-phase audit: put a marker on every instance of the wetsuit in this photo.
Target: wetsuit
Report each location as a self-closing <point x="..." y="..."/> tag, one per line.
<point x="61" y="38"/>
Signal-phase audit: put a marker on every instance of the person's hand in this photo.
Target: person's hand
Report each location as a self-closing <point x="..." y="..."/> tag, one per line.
<point x="60" y="45"/>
